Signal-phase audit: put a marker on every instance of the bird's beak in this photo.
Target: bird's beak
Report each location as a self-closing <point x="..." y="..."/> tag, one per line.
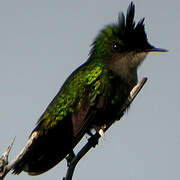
<point x="151" y="48"/>
<point x="156" y="50"/>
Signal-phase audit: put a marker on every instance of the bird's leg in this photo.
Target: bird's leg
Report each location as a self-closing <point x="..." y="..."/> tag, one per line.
<point x="91" y="131"/>
<point x="70" y="157"/>
<point x="93" y="141"/>
<point x="101" y="131"/>
<point x="97" y="129"/>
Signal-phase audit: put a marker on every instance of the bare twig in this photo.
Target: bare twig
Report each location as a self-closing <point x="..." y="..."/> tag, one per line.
<point x="93" y="140"/>
<point x="4" y="167"/>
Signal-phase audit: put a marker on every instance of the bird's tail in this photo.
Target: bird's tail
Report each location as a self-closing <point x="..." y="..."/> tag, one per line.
<point x="24" y="155"/>
<point x="42" y="152"/>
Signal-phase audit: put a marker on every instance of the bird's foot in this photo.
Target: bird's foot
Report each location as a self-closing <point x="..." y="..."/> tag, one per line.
<point x="101" y="133"/>
<point x="97" y="129"/>
<point x="70" y="157"/>
<point x="92" y="131"/>
<point x="93" y="141"/>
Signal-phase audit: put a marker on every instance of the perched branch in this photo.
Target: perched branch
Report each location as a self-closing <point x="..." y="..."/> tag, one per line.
<point x="93" y="140"/>
<point x="5" y="166"/>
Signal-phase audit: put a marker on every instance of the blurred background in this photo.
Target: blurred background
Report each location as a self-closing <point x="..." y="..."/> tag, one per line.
<point x="42" y="42"/>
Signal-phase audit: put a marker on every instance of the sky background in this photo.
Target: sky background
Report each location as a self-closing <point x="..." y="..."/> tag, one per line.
<point x="42" y="42"/>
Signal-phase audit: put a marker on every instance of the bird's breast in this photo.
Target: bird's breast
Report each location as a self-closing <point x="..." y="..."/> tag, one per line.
<point x="113" y="104"/>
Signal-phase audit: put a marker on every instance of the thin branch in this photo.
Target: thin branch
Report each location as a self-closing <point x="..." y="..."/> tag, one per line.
<point x="93" y="140"/>
<point x="4" y="166"/>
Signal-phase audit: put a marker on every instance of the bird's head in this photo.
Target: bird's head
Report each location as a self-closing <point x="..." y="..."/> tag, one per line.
<point x="123" y="45"/>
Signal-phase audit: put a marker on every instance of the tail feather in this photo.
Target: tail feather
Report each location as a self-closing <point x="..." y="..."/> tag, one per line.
<point x="43" y="152"/>
<point x="25" y="154"/>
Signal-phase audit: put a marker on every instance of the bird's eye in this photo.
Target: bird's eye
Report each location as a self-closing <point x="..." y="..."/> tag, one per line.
<point x="116" y="46"/>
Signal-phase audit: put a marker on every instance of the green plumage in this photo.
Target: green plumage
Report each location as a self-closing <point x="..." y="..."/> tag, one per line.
<point x="83" y="88"/>
<point x="89" y="80"/>
<point x="91" y="96"/>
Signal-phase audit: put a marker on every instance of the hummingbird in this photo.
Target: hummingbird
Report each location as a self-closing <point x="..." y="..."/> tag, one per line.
<point x="91" y="96"/>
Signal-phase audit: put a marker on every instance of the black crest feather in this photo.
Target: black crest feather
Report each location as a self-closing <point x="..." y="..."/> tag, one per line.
<point x="132" y="35"/>
<point x="128" y="31"/>
<point x="130" y="17"/>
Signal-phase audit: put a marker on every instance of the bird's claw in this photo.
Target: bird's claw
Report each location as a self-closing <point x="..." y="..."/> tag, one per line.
<point x="93" y="141"/>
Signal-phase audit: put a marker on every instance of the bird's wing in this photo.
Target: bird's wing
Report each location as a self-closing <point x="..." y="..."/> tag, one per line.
<point x="65" y="120"/>
<point x="80" y="97"/>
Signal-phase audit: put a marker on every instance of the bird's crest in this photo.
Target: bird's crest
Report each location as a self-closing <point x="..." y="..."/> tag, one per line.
<point x="127" y="28"/>
<point x="125" y="32"/>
